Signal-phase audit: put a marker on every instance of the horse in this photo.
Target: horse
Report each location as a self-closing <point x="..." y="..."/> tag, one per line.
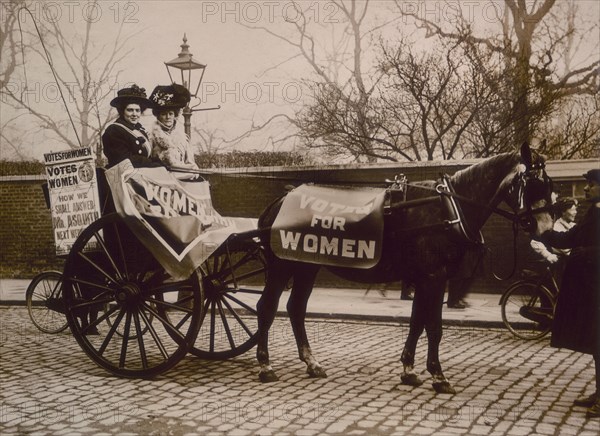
<point x="417" y="247"/>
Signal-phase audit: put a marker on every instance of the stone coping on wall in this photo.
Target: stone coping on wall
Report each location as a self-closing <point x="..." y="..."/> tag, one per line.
<point x="557" y="169"/>
<point x="24" y="178"/>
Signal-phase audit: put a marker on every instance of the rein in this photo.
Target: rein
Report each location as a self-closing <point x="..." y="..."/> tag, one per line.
<point x="444" y="188"/>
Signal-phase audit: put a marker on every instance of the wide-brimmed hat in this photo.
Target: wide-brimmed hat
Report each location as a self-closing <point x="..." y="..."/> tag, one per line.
<point x="133" y="94"/>
<point x="169" y="97"/>
<point x="593" y="175"/>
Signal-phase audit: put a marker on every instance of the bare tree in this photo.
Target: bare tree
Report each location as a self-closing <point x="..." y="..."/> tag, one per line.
<point x="431" y="100"/>
<point x="574" y="131"/>
<point x="8" y="25"/>
<point x="536" y="44"/>
<point x="9" y="13"/>
<point x="339" y="119"/>
<point x="87" y="74"/>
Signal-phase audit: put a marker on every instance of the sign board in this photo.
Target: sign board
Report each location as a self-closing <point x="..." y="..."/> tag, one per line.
<point x="174" y="219"/>
<point x="330" y="226"/>
<point x="73" y="189"/>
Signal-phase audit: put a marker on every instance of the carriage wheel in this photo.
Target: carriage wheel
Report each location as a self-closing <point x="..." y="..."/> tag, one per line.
<point x="528" y="310"/>
<point x="44" y="302"/>
<point x="234" y="279"/>
<point x="123" y="308"/>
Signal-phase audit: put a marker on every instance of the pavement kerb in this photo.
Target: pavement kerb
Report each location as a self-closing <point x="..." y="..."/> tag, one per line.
<point x="345" y="305"/>
<point x="476" y="323"/>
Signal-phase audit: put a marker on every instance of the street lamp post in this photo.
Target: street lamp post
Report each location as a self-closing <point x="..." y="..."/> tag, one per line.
<point x="185" y="63"/>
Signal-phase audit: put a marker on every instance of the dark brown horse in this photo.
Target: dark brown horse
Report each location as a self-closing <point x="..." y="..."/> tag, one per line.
<point x="417" y="247"/>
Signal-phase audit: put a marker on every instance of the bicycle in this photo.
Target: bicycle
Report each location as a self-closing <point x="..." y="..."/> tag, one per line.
<point x="44" y="302"/>
<point x="528" y="304"/>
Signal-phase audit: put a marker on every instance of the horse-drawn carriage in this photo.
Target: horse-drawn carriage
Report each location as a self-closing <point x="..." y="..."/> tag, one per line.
<point x="134" y="318"/>
<point x="137" y="315"/>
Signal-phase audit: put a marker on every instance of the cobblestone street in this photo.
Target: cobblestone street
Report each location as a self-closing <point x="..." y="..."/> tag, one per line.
<point x="504" y="385"/>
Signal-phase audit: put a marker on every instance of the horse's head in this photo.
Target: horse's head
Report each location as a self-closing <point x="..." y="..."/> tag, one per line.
<point x="530" y="193"/>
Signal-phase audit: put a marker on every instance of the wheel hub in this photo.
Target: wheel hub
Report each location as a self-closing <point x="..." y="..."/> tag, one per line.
<point x="128" y="293"/>
<point x="213" y="288"/>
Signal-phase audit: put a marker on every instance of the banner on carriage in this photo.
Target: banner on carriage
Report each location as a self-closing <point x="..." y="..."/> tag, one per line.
<point x="73" y="194"/>
<point x="174" y="219"/>
<point x="330" y="226"/>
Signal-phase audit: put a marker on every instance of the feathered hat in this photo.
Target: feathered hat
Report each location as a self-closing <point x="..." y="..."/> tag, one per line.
<point x="169" y="97"/>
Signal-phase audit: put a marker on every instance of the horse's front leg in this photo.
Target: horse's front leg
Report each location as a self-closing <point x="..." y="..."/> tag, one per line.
<point x="433" y="327"/>
<point x="266" y="309"/>
<point x="416" y="327"/>
<point x="304" y="281"/>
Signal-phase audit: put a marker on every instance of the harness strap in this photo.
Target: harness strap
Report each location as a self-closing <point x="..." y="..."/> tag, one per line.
<point x="457" y="220"/>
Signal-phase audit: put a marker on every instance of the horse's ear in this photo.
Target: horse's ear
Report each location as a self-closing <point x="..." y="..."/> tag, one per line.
<point x="526" y="154"/>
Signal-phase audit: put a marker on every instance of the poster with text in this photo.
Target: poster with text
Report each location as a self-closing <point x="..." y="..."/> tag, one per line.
<point x="73" y="189"/>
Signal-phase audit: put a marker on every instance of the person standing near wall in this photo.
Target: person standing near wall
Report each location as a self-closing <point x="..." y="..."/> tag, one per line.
<point x="576" y="323"/>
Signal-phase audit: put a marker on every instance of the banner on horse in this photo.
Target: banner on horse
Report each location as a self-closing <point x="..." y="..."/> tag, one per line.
<point x="174" y="219"/>
<point x="330" y="226"/>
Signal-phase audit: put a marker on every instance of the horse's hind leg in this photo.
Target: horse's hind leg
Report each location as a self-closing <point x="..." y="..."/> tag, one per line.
<point x="266" y="307"/>
<point x="304" y="280"/>
<point x="416" y="327"/>
<point x="433" y="327"/>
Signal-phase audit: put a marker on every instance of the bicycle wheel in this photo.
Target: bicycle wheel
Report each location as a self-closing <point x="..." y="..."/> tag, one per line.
<point x="528" y="310"/>
<point x="125" y="311"/>
<point x="45" y="304"/>
<point x="233" y="280"/>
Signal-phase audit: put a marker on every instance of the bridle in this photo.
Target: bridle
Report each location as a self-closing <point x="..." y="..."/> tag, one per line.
<point x="531" y="185"/>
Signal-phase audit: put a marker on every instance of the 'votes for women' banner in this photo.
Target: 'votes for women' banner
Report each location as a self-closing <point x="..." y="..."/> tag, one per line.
<point x="174" y="219"/>
<point x="330" y="226"/>
<point x="73" y="192"/>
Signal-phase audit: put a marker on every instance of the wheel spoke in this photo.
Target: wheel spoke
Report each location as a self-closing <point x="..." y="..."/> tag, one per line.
<point x="228" y="268"/>
<point x="246" y="291"/>
<point x="212" y="327"/>
<point x="92" y="284"/>
<point x="98" y="320"/>
<point x="225" y="325"/>
<point x="154" y="334"/>
<point x="244" y="276"/>
<point x="237" y="317"/>
<point x="111" y="333"/>
<point x="179" y="338"/>
<point x="138" y="332"/>
<point x="89" y="303"/>
<point x="175" y="306"/>
<point x="96" y="266"/>
<point x="100" y="240"/>
<point x="241" y="303"/>
<point x="125" y="340"/>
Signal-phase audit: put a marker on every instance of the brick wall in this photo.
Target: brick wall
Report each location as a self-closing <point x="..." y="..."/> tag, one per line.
<point x="26" y="240"/>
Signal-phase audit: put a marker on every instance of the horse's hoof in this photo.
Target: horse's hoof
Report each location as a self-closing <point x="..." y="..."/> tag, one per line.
<point x="411" y="379"/>
<point x="443" y="387"/>
<point x="267" y="376"/>
<point x="316" y="372"/>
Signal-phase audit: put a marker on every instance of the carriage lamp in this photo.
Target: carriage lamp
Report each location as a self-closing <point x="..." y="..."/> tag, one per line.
<point x="185" y="63"/>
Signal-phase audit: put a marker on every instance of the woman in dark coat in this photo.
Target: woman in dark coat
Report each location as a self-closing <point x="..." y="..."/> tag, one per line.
<point x="126" y="138"/>
<point x="577" y="317"/>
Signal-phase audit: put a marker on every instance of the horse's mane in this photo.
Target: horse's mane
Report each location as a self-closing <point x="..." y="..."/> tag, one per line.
<point x="483" y="170"/>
